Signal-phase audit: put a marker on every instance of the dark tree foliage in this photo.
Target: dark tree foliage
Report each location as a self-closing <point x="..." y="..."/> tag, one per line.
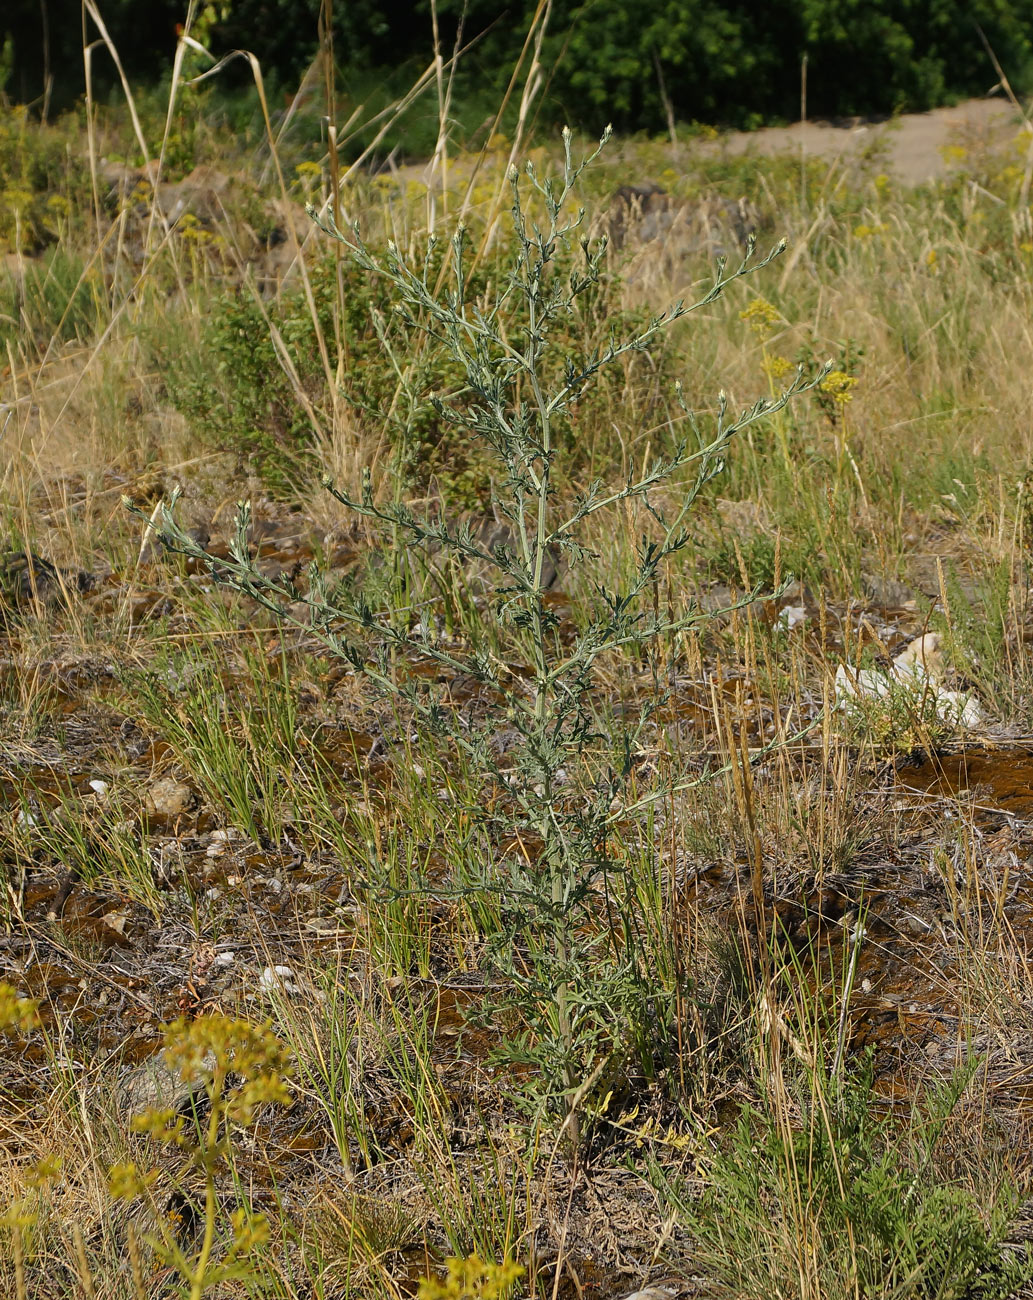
<point x="740" y="61"/>
<point x="48" y="33"/>
<point x="732" y="62"/>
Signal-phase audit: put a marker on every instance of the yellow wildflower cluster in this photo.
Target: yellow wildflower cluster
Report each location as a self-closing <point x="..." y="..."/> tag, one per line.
<point x="249" y="1232"/>
<point x="865" y="231"/>
<point x="472" y="1279"/>
<point x="484" y="193"/>
<point x="777" y="368"/>
<point x="208" y="1049"/>
<point x="16" y="1012"/>
<point x="190" y="229"/>
<point x="308" y="177"/>
<point x="761" y="316"/>
<point x="839" y="386"/>
<point x="126" y="1181"/>
<point x="17" y="200"/>
<point x="1010" y="174"/>
<point x="44" y="1171"/>
<point x="141" y="195"/>
<point x="21" y="1214"/>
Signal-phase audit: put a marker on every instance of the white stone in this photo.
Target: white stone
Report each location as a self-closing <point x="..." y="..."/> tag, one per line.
<point x="277" y="979"/>
<point x="791" y="616"/>
<point x="917" y="672"/>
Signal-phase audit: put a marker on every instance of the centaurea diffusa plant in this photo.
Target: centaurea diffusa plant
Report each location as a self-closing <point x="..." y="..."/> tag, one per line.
<point x="575" y="979"/>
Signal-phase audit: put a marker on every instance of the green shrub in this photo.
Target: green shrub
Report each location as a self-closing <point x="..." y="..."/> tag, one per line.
<point x="830" y="1200"/>
<point x="56" y="296"/>
<point x="238" y="395"/>
<point x="711" y="60"/>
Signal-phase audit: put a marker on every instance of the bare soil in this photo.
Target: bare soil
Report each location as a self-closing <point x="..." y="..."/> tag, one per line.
<point x="912" y="145"/>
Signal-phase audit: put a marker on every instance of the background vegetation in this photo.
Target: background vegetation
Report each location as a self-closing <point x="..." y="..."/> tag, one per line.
<point x="637" y="66"/>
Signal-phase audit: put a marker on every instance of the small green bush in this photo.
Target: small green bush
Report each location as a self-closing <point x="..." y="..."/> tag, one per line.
<point x="43" y="180"/>
<point x="830" y="1201"/>
<point x="237" y="395"/>
<point x="53" y="297"/>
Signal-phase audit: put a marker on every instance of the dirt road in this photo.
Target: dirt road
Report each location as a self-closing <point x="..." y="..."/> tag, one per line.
<point x="913" y="143"/>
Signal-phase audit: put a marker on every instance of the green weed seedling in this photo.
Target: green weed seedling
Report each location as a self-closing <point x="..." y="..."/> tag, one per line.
<point x="576" y="984"/>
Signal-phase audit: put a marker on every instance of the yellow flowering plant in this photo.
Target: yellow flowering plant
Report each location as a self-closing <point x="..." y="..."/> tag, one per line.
<point x="16" y="1013"/>
<point x="472" y="1279"/>
<point x="761" y="316"/>
<point x="839" y="387"/>
<point x="238" y="1067"/>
